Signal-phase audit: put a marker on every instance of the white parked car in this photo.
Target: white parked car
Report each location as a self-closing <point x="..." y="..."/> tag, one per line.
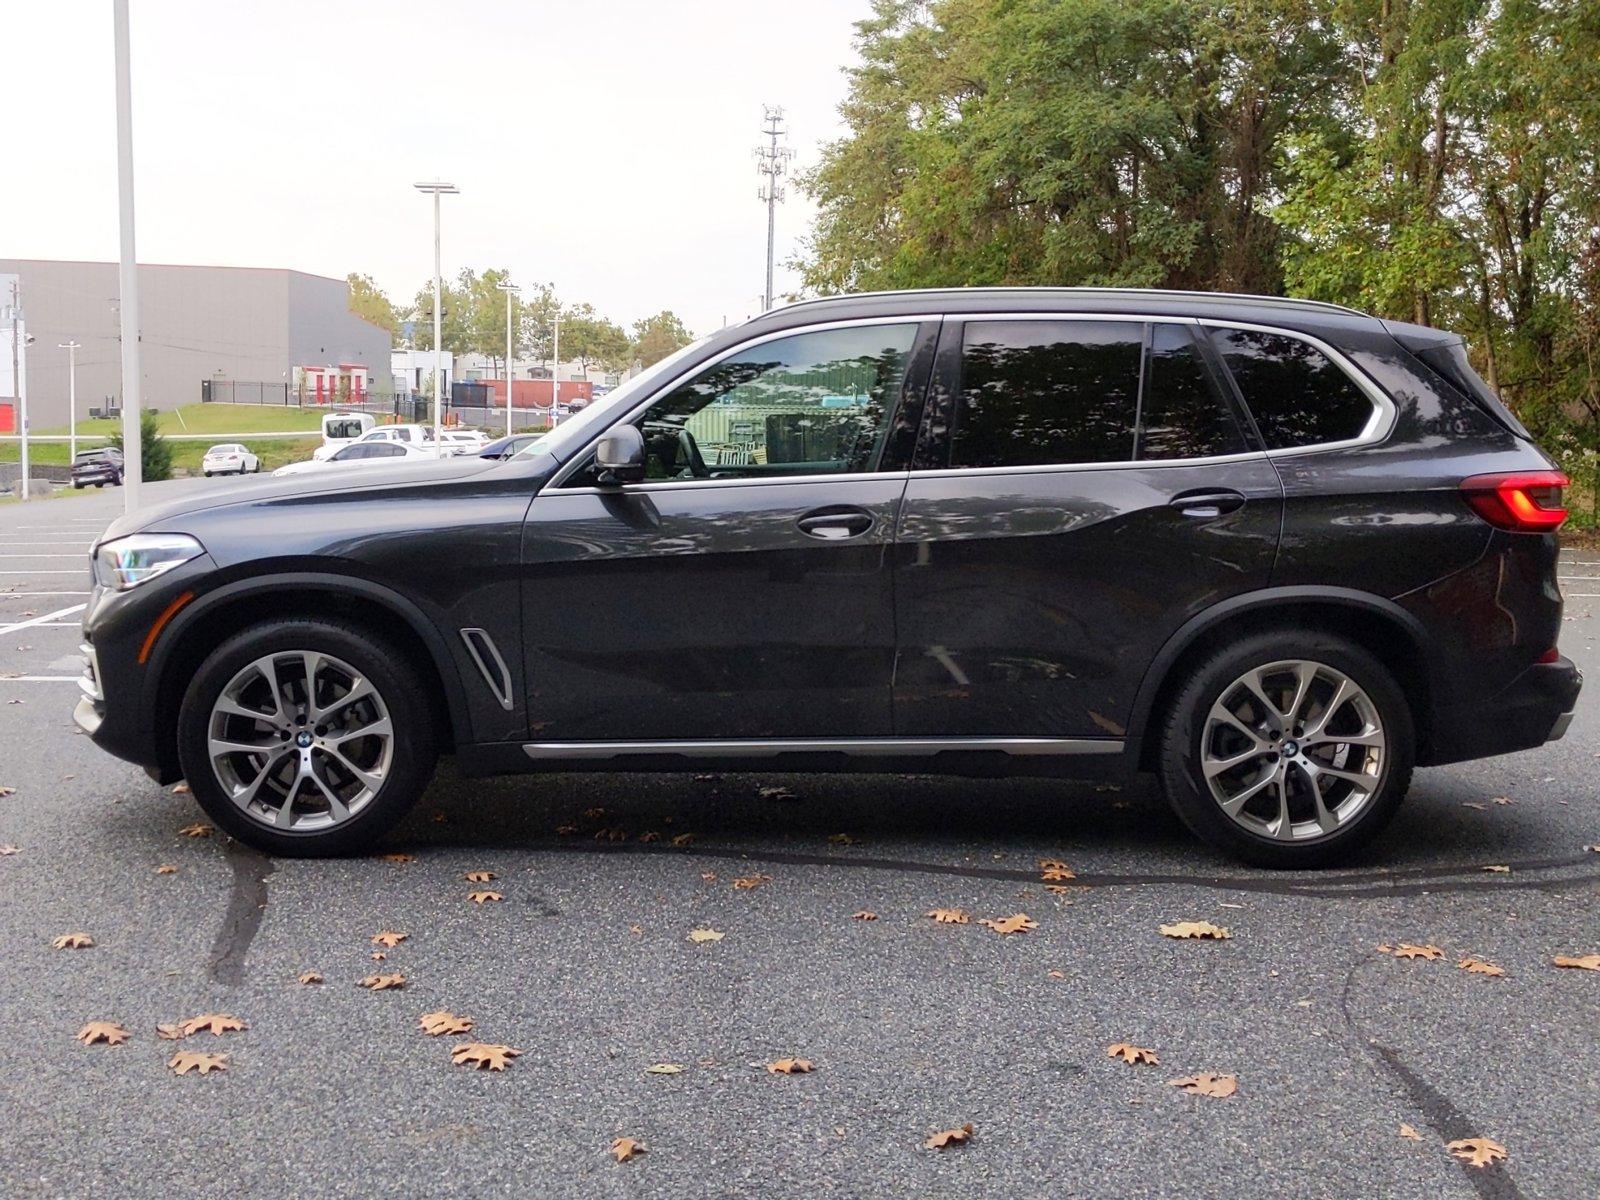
<point x="230" y="458"/>
<point x="463" y="441"/>
<point x="340" y="429"/>
<point x="363" y="453"/>
<point x="405" y="435"/>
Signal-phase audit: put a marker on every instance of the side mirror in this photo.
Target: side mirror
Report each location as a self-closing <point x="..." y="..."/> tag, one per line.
<point x="619" y="456"/>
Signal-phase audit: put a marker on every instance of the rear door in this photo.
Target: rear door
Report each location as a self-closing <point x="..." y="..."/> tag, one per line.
<point x="742" y="591"/>
<point x="1081" y="488"/>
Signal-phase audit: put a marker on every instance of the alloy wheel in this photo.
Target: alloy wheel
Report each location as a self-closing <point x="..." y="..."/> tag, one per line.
<point x="300" y="741"/>
<point x="1293" y="750"/>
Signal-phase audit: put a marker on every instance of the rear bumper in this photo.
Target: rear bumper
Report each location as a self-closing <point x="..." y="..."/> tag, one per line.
<point x="1535" y="708"/>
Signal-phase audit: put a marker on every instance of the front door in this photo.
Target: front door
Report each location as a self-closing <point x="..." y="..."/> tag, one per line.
<point x="1082" y="488"/>
<point x="742" y="590"/>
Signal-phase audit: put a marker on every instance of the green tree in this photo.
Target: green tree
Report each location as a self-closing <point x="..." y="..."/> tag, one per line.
<point x="367" y="300"/>
<point x="656" y="337"/>
<point x="155" y="452"/>
<point x="455" y="315"/>
<point x="591" y="339"/>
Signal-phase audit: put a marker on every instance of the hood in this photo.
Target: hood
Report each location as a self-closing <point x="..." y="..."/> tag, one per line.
<point x="312" y="483"/>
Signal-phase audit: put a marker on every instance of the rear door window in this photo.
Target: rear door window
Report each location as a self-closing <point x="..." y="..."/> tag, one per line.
<point x="1182" y="413"/>
<point x="1047" y="392"/>
<point x="1297" y="394"/>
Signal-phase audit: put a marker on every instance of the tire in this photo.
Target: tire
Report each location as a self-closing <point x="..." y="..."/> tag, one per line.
<point x="383" y="779"/>
<point x="1344" y="815"/>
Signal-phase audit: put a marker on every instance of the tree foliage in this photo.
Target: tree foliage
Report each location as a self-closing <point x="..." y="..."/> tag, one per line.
<point x="367" y="300"/>
<point x="155" y="451"/>
<point x="656" y="337"/>
<point x="592" y="339"/>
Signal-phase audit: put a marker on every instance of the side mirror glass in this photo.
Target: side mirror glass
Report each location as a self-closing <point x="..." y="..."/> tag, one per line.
<point x="619" y="456"/>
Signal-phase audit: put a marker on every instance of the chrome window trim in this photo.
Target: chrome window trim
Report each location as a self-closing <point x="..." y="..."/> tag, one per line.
<point x="577" y="460"/>
<point x="854" y="747"/>
<point x="1379" y="425"/>
<point x="1384" y="413"/>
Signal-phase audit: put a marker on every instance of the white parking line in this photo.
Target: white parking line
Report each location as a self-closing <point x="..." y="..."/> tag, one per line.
<point x="60" y="612"/>
<point x="4" y="593"/>
<point x="29" y="571"/>
<point x="79" y="556"/>
<point x="39" y="678"/>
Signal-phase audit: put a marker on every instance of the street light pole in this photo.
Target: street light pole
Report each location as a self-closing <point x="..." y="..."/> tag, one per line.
<point x="127" y="272"/>
<point x="18" y="394"/>
<point x="437" y="188"/>
<point x="510" y="289"/>
<point x="72" y="349"/>
<point x="555" y="361"/>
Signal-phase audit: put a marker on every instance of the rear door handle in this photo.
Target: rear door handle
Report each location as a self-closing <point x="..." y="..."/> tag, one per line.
<point x="835" y="523"/>
<point x="1205" y="503"/>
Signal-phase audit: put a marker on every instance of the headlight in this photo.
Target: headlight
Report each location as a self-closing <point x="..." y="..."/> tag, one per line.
<point x="140" y="557"/>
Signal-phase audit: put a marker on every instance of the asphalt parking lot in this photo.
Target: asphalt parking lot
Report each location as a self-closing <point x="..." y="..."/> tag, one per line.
<point x="912" y="1026"/>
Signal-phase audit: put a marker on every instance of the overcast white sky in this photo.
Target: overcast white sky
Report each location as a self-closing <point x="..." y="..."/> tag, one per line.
<point x="604" y="145"/>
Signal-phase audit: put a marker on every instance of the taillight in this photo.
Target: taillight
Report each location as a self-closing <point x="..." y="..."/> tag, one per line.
<point x="1527" y="502"/>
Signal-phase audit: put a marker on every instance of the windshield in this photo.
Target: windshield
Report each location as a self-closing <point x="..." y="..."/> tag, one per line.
<point x="577" y="429"/>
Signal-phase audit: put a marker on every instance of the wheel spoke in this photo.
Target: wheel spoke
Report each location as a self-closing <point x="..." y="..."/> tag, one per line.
<point x="244" y="797"/>
<point x="269" y="672"/>
<point x="1359" y="778"/>
<point x="379" y="727"/>
<point x="1236" y="802"/>
<point x="221" y="746"/>
<point x="336" y="806"/>
<point x="360" y="689"/>
<point x="1219" y="713"/>
<point x="1252" y="681"/>
<point x="1216" y="766"/>
<point x="369" y="779"/>
<point x="312" y="661"/>
<point x="1342" y="693"/>
<point x="233" y="708"/>
<point x="1305" y="674"/>
<point x="1283" y="830"/>
<point x="1370" y="736"/>
<point x="284" y="818"/>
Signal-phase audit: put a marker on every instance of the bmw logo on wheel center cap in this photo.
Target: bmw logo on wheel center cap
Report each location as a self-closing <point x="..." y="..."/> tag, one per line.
<point x="303" y="738"/>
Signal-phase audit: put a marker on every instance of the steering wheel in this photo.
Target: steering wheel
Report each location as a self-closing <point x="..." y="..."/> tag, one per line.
<point x="689" y="455"/>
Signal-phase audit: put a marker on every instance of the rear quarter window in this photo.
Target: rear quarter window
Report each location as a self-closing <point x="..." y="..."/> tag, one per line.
<point x="1296" y="393"/>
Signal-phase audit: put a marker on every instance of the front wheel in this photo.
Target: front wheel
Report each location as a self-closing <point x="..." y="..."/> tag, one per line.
<point x="306" y="737"/>
<point x="1288" y="749"/>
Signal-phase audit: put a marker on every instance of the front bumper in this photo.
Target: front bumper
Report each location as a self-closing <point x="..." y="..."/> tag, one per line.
<point x="1535" y="708"/>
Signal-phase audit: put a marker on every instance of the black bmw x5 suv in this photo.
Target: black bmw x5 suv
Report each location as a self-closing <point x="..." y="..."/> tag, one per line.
<point x="1277" y="552"/>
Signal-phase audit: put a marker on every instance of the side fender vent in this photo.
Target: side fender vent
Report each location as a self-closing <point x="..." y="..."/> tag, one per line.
<point x="484" y="652"/>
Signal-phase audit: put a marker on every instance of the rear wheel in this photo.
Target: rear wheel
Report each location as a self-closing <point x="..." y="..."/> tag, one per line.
<point x="306" y="737"/>
<point x="1288" y="749"/>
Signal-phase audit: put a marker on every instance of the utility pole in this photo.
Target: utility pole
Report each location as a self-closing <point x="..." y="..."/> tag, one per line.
<point x="772" y="162"/>
<point x="127" y="271"/>
<point x="16" y="377"/>
<point x="72" y="349"/>
<point x="511" y="290"/>
<point x="437" y="188"/>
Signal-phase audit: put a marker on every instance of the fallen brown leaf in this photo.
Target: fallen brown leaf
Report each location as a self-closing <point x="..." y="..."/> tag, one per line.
<point x="181" y="788"/>
<point x="485" y="1056"/>
<point x="109" y="1032"/>
<point x="611" y="835"/>
<point x="1207" y="1084"/>
<point x="7" y="791"/>
<point x="566" y="830"/>
<point x="950" y="1137"/>
<point x="705" y="935"/>
<point x="683" y="839"/>
<point x="649" y="835"/>
<point x="379" y="956"/>
<point x="444" y="1021"/>
<point x="1408" y="950"/>
<point x="185" y="1061"/>
<point x="310" y="977"/>
<point x="72" y="941"/>
<point x="198" y="830"/>
<point x="866" y="914"/>
<point x="1480" y="966"/>
<point x="1056" y="974"/>
<point x="1409" y="1133"/>
<point x="775" y="793"/>
<point x="1016" y="923"/>
<point x="1586" y="962"/>
<point x="1195" y="929"/>
<point x="841" y="839"/>
<point x="1497" y="869"/>
<point x="1131" y="1054"/>
<point x="949" y="916"/>
<point x="1060" y="876"/>
<point x="166" y="869"/>
<point x="7" y="850"/>
<point x="745" y="882"/>
<point x="484" y="897"/>
<point x="664" y="1069"/>
<point x="169" y="1032"/>
<point x="382" y="983"/>
<point x="593" y="814"/>
<point x="215" y="1023"/>
<point x="479" y="876"/>
<point x="625" y="1148"/>
<point x="708" y="876"/>
<point x="1474" y="805"/>
<point x="789" y="1066"/>
<point x="398" y="858"/>
<point x="1478" y="1151"/>
<point x="1502" y="800"/>
<point x="389" y="938"/>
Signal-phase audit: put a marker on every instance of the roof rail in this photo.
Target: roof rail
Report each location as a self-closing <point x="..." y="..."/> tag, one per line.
<point x="1326" y="305"/>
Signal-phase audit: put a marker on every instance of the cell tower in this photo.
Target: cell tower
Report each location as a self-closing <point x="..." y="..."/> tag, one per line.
<point x="772" y="160"/>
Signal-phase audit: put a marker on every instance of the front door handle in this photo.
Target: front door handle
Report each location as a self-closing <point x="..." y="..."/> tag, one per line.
<point x="1204" y="504"/>
<point x="835" y="523"/>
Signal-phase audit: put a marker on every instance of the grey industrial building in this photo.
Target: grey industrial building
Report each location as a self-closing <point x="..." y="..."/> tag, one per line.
<point x="247" y="324"/>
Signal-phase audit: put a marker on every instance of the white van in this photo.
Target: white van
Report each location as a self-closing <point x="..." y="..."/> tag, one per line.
<point x="339" y="430"/>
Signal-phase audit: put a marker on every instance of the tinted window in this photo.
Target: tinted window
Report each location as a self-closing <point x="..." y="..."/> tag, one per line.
<point x="1295" y="392"/>
<point x="1040" y="392"/>
<point x="813" y="403"/>
<point x="350" y="453"/>
<point x="387" y="450"/>
<point x="1182" y="414"/>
